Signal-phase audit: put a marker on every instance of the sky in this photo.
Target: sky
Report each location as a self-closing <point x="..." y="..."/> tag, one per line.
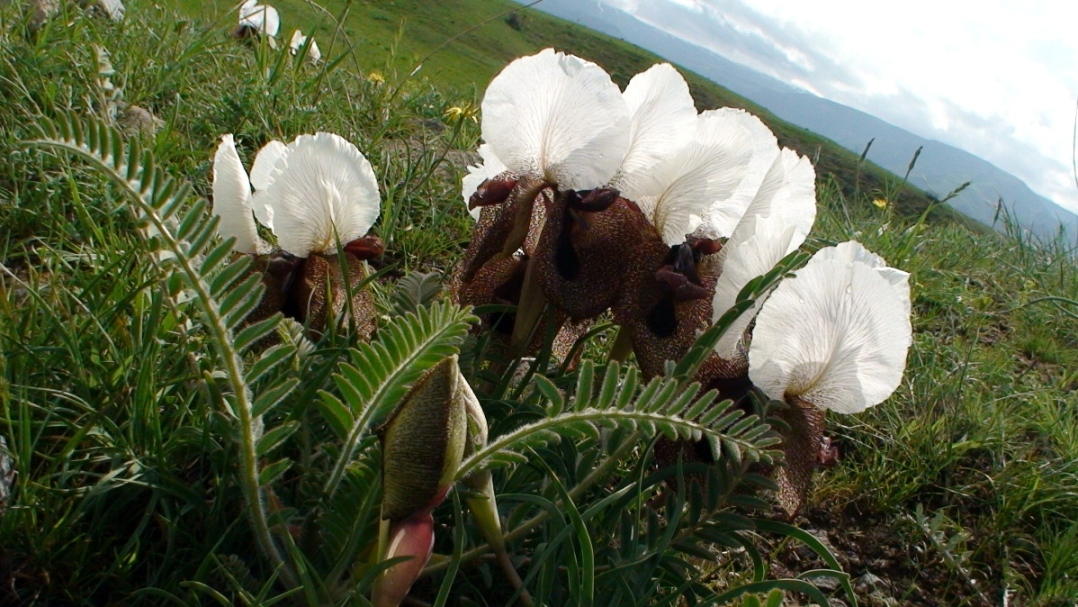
<point x="996" y="78"/>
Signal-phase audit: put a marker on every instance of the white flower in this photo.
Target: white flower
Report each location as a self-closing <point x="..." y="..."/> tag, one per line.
<point x="775" y="224"/>
<point x="314" y="55"/>
<point x="835" y="335"/>
<point x="706" y="168"/>
<point x="663" y="121"/>
<point x="851" y="251"/>
<point x="260" y="17"/>
<point x="722" y="217"/>
<point x="232" y="200"/>
<point x="313" y="193"/>
<point x="556" y="117"/>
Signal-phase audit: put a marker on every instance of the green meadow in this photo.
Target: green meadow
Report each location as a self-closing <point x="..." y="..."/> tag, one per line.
<point x="139" y="422"/>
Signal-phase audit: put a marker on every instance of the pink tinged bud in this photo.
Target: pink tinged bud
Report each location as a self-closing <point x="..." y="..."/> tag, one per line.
<point x="423" y="443"/>
<point x="412" y="537"/>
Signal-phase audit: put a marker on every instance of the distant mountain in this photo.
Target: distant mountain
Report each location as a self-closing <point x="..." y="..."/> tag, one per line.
<point x="939" y="170"/>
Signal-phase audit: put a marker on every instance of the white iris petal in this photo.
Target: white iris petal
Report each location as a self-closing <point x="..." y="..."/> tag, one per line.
<point x="689" y="181"/>
<point x="298" y="40"/>
<point x="774" y="225"/>
<point x="232" y="199"/>
<point x="852" y="251"/>
<point x="663" y="121"/>
<point x="723" y="215"/>
<point x="262" y="176"/>
<point x="558" y="117"/>
<point x="323" y="190"/>
<point x="835" y="335"/>
<point x="262" y="18"/>
<point x="763" y="247"/>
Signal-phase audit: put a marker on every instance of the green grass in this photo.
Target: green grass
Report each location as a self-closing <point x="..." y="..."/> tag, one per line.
<point x="125" y="489"/>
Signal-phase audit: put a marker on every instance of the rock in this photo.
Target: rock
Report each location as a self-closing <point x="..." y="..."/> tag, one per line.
<point x="7" y="474"/>
<point x="135" y="120"/>
<point x="868" y="582"/>
<point x="826" y="583"/>
<point x="43" y="9"/>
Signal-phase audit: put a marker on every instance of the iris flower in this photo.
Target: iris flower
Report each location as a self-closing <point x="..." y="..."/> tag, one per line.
<point x="552" y="123"/>
<point x="556" y="117"/>
<point x="258" y="19"/>
<point x="833" y="337"/>
<point x="313" y="193"/>
<point x="623" y="179"/>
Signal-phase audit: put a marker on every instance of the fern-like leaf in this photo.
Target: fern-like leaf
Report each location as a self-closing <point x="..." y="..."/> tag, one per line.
<point x="414" y="291"/>
<point x="182" y="241"/>
<point x="662" y="405"/>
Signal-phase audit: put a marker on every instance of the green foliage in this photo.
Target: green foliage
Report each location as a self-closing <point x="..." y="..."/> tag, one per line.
<point x="263" y="420"/>
<point x="161" y="453"/>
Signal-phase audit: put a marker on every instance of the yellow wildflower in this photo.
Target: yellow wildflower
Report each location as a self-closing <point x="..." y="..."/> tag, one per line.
<point x="466" y="111"/>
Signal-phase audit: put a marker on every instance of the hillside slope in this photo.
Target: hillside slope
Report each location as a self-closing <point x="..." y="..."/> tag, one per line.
<point x="483" y="35"/>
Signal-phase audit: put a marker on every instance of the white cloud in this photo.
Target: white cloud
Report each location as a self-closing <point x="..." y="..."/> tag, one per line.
<point x="998" y="79"/>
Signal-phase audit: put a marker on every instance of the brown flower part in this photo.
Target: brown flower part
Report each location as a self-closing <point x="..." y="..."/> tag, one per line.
<point x="494" y="269"/>
<point x="503" y="225"/>
<point x="368" y="247"/>
<point x="585" y="251"/>
<point x="278" y="273"/>
<point x="802" y="444"/>
<point x="497" y="282"/>
<point x="665" y="304"/>
<point x="731" y="380"/>
<point x="320" y="294"/>
<point x="500" y="282"/>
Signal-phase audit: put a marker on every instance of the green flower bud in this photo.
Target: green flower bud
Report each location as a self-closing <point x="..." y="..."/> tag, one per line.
<point x="423" y="443"/>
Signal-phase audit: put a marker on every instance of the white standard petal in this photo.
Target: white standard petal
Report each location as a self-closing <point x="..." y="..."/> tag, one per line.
<point x="774" y="225"/>
<point x="851" y="251"/>
<point x="490" y="167"/>
<point x="663" y="121"/>
<point x="323" y="189"/>
<point x="262" y="175"/>
<point x="689" y="181"/>
<point x="314" y="55"/>
<point x="754" y="254"/>
<point x="835" y="335"/>
<point x="261" y="17"/>
<point x="722" y="217"/>
<point x="232" y="199"/>
<point x="558" y="117"/>
<point x="786" y="194"/>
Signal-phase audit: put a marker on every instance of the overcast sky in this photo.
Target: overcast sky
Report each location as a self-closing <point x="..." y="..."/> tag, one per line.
<point x="996" y="78"/>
